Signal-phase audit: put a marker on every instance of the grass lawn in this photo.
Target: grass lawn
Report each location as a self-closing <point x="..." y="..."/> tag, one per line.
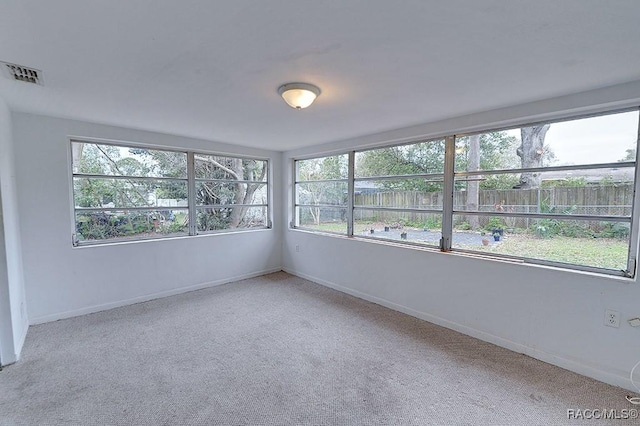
<point x="610" y="253"/>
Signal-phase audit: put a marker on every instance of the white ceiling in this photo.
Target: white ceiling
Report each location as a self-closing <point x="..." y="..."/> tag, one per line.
<point x="210" y="69"/>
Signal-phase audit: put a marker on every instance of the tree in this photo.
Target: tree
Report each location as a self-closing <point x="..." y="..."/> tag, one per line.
<point x="237" y="182"/>
<point x="473" y="193"/>
<point x="314" y="193"/>
<point x="496" y="150"/>
<point x="225" y="181"/>
<point x="630" y="155"/>
<point x="419" y="158"/>
<point x="531" y="152"/>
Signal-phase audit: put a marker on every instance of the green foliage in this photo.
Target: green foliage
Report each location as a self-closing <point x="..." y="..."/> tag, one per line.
<point x="121" y="193"/>
<point x="504" y="181"/>
<point x="333" y="193"/>
<point x="463" y="226"/>
<point x="630" y="155"/>
<point x="419" y="158"/>
<point x="93" y="226"/>
<point x="613" y="230"/>
<point x="497" y="151"/>
<point x="494" y="223"/>
<point x="575" y="182"/>
<point x="214" y="219"/>
<point x="334" y="167"/>
<point x="433" y="222"/>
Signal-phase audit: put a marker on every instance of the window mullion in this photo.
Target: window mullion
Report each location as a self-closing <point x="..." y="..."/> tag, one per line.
<point x="350" y="192"/>
<point x="191" y="193"/>
<point x="447" y="197"/>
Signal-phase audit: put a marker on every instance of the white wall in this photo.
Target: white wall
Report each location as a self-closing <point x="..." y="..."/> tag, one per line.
<point x="13" y="317"/>
<point x="63" y="281"/>
<point x="551" y="314"/>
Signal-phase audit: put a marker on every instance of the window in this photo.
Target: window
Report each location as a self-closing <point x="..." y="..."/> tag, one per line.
<point x="563" y="195"/>
<point x="131" y="193"/>
<point x="557" y="193"/>
<point x="230" y="192"/>
<point x="398" y="192"/>
<point x="321" y="194"/>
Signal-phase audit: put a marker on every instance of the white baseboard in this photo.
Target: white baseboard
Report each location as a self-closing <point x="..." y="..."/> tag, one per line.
<point x="559" y="361"/>
<point x="111" y="305"/>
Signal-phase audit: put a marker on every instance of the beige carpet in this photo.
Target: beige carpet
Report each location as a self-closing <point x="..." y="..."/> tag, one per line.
<point x="281" y="350"/>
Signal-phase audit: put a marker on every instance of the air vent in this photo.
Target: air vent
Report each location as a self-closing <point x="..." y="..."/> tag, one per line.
<point x="22" y="73"/>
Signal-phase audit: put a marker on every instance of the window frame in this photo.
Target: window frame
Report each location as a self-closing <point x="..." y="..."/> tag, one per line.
<point x="189" y="179"/>
<point x="449" y="177"/>
<point x="436" y="177"/>
<point x="348" y="206"/>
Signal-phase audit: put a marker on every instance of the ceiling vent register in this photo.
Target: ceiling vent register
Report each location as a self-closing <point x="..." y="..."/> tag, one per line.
<point x="22" y="73"/>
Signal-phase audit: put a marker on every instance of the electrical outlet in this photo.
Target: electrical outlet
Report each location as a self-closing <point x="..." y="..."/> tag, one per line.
<point x="611" y="318"/>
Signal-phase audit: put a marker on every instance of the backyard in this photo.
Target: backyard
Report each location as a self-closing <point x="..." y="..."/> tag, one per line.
<point x="601" y="252"/>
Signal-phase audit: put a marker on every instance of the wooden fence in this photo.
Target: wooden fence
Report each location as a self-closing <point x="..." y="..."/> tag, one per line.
<point x="591" y="200"/>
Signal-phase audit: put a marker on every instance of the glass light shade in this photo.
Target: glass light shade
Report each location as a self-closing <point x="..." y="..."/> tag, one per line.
<point x="298" y="95"/>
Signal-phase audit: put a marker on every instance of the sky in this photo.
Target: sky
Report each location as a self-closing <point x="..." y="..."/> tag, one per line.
<point x="602" y="139"/>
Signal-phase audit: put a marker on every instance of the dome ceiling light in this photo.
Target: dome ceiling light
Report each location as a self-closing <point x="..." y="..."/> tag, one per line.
<point x="298" y="95"/>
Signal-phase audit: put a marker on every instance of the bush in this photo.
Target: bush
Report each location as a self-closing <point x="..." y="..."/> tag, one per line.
<point x="463" y="226"/>
<point x="494" y="223"/>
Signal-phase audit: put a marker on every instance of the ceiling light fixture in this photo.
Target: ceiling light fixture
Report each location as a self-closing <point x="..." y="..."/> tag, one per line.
<point x="298" y="95"/>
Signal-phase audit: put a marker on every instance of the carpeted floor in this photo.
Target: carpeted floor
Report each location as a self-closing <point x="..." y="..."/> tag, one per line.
<point x="280" y="350"/>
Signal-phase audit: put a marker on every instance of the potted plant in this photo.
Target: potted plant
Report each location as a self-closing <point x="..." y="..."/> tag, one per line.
<point x="485" y="240"/>
<point x="386" y="228"/>
<point x="403" y="235"/>
<point x="496" y="235"/>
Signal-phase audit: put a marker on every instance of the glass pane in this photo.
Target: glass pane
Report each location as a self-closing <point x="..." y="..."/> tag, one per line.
<point x="604" y="139"/>
<point x="111" y="160"/>
<point x="334" y="167"/>
<point x="423" y="228"/>
<point x="323" y="219"/>
<point x="332" y="193"/>
<point x="418" y="158"/>
<point x="123" y="225"/>
<point x="585" y="192"/>
<point x="400" y="193"/>
<point x="587" y="243"/>
<point x="212" y="193"/>
<point x="121" y="193"/>
<point x="215" y="219"/>
<point x="219" y="167"/>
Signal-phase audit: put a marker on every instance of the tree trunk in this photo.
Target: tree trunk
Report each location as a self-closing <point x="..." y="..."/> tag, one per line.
<point x="237" y="213"/>
<point x="473" y="186"/>
<point x="76" y="154"/>
<point x="530" y="152"/>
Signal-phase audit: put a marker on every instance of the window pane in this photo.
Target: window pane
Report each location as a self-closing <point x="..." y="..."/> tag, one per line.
<point x="418" y="158"/>
<point x="220" y="167"/>
<point x="112" y="160"/>
<point x="323" y="219"/>
<point x="121" y="193"/>
<point x="589" y="243"/>
<point x="601" y="192"/>
<point x="603" y="139"/>
<point x="215" y="219"/>
<point x="215" y="192"/>
<point x="424" y="228"/>
<point x="325" y="168"/>
<point x="400" y="193"/>
<point x="123" y="224"/>
<point x="332" y="193"/>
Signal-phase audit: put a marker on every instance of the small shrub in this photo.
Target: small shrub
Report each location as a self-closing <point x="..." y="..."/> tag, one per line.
<point x="463" y="226"/>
